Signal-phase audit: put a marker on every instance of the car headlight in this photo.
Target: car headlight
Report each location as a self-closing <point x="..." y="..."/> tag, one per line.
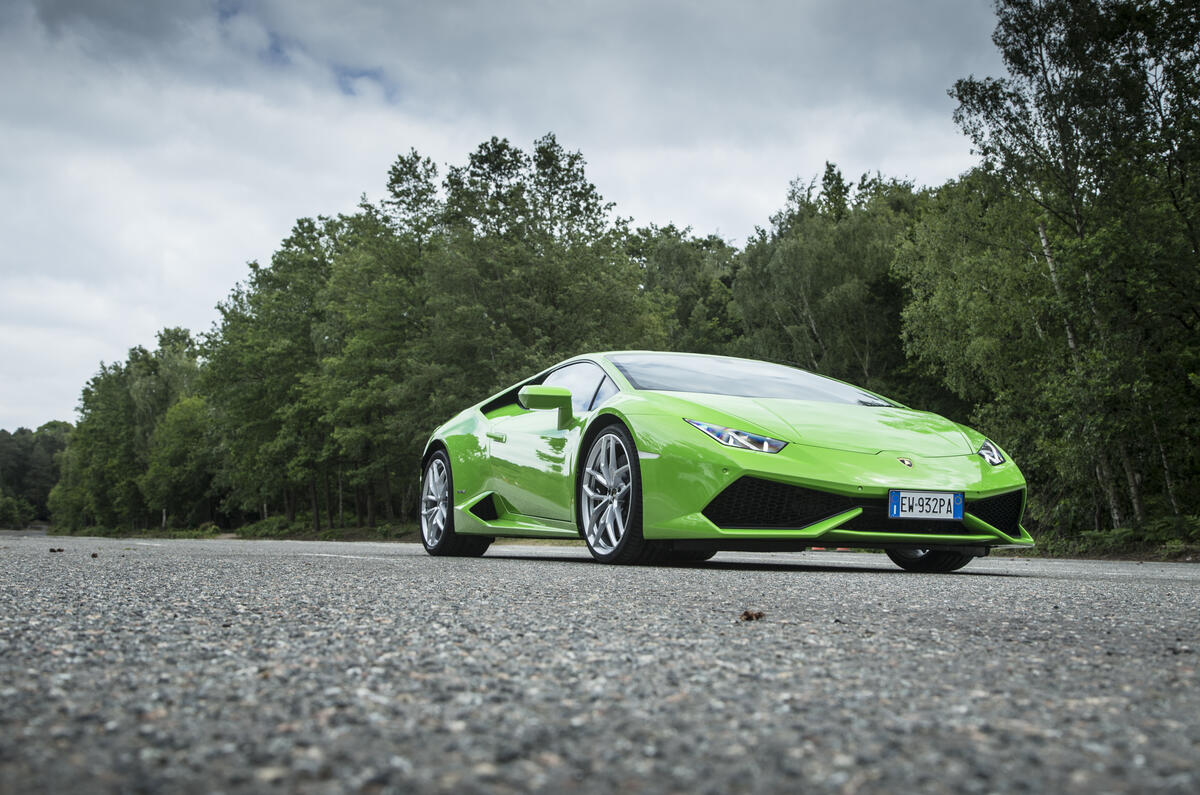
<point x="739" y="439"/>
<point x="991" y="453"/>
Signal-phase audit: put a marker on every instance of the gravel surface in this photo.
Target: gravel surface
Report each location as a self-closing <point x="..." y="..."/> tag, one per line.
<point x="318" y="667"/>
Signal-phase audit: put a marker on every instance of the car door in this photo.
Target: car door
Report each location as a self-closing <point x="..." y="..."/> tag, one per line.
<point x="532" y="456"/>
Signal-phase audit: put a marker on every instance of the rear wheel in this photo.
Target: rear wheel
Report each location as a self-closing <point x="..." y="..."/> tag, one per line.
<point x="437" y="513"/>
<point x="610" y="500"/>
<point x="928" y="560"/>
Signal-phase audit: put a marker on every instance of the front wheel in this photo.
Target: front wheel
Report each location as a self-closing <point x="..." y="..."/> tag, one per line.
<point x="928" y="560"/>
<point x="437" y="514"/>
<point x="610" y="500"/>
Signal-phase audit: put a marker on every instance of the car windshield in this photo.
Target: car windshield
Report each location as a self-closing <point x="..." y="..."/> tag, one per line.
<point x="721" y="375"/>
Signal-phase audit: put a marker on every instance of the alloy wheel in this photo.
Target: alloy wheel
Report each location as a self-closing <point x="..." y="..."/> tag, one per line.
<point x="435" y="502"/>
<point x="606" y="490"/>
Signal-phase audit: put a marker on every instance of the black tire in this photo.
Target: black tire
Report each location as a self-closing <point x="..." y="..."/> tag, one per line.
<point x="631" y="548"/>
<point x="928" y="560"/>
<point x="445" y="543"/>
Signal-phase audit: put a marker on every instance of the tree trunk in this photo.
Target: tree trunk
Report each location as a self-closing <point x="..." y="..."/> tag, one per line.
<point x="341" y="501"/>
<point x="1135" y="491"/>
<point x="406" y="501"/>
<point x="1058" y="291"/>
<point x="316" y="507"/>
<point x="164" y="521"/>
<point x="1104" y="475"/>
<point x="370" y="489"/>
<point x="289" y="506"/>
<point x="812" y="324"/>
<point x="1166" y="467"/>
<point x="388" y="514"/>
<point x="329" y="500"/>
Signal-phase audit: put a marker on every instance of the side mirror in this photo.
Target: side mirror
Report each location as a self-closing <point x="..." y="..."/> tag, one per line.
<point x="537" y="396"/>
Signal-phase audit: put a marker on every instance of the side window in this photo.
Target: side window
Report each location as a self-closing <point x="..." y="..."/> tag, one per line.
<point x="607" y="390"/>
<point x="581" y="378"/>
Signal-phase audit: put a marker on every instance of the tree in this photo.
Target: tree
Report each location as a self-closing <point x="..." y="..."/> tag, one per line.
<point x="372" y="314"/>
<point x="816" y="291"/>
<point x="15" y="513"/>
<point x="262" y="376"/>
<point x="182" y="461"/>
<point x="1096" y="128"/>
<point x="691" y="280"/>
<point x="529" y="268"/>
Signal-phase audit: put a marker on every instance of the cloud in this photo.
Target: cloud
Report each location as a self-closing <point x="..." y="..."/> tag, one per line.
<point x="152" y="149"/>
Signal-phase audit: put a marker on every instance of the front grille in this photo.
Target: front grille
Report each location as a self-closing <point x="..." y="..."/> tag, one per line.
<point x="1002" y="512"/>
<point x="752" y="503"/>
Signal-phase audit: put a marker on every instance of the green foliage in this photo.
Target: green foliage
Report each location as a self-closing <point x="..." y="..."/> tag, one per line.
<point x="274" y="527"/>
<point x="816" y="290"/>
<point x="182" y="461"/>
<point x="689" y="282"/>
<point x="110" y="449"/>
<point x="1070" y="265"/>
<point x="28" y="466"/>
<point x="15" y="513"/>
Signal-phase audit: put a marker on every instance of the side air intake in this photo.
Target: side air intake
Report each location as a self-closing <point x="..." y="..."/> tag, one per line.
<point x="485" y="509"/>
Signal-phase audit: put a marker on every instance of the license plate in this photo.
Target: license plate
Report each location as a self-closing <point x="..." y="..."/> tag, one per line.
<point x="925" y="505"/>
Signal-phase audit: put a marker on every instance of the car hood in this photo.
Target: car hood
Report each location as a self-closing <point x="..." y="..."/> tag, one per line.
<point x="837" y="426"/>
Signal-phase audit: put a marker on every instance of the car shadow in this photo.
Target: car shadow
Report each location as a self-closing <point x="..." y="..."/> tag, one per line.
<point x="743" y="565"/>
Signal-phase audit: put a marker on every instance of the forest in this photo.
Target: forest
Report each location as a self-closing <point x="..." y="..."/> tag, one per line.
<point x="1050" y="297"/>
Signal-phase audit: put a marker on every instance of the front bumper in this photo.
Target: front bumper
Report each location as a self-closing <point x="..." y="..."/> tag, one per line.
<point x="827" y="497"/>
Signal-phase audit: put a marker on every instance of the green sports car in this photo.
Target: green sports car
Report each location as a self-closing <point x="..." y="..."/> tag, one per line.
<point x="673" y="457"/>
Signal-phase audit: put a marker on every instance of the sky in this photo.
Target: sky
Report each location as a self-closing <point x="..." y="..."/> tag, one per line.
<point x="150" y="150"/>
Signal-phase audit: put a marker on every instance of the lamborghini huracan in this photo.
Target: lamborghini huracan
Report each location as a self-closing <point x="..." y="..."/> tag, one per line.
<point x="671" y="457"/>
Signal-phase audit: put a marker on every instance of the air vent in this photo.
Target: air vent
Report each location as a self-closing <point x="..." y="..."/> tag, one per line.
<point x="753" y="503"/>
<point x="1002" y="512"/>
<point x="485" y="509"/>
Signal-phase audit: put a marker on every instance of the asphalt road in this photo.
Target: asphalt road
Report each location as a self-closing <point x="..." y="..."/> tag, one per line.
<point x="180" y="666"/>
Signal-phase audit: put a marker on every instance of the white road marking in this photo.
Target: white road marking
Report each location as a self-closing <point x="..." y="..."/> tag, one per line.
<point x="348" y="557"/>
<point x="146" y="544"/>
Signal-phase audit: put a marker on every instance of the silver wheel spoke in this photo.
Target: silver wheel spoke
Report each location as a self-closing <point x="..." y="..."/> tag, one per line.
<point x="435" y="499"/>
<point x="604" y="490"/>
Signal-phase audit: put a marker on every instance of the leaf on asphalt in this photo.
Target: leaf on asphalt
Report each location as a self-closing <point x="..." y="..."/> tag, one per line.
<point x="751" y="615"/>
<point x="95" y="554"/>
